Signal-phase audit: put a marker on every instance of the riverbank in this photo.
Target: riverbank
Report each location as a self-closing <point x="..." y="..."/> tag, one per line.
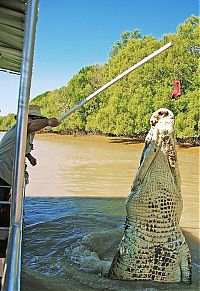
<point x="134" y="138"/>
<point x="185" y="142"/>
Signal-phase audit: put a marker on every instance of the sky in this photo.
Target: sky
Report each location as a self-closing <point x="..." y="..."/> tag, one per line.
<point x="72" y="34"/>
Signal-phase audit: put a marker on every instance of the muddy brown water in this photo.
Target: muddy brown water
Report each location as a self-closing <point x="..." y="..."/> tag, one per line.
<point x="95" y="166"/>
<point x="75" y="209"/>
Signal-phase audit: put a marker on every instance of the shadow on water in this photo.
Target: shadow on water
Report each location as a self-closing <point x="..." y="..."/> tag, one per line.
<point x="69" y="244"/>
<point x="126" y="140"/>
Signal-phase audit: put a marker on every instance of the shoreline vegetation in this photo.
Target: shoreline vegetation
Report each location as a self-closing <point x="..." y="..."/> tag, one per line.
<point x="124" y="109"/>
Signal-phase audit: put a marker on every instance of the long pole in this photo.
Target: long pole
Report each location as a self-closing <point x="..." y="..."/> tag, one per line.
<point x="149" y="57"/>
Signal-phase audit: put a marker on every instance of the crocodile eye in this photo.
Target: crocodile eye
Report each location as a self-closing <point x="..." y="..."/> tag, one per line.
<point x="153" y="122"/>
<point x="163" y="113"/>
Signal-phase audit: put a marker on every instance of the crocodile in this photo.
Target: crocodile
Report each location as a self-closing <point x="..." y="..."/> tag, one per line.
<point x="153" y="246"/>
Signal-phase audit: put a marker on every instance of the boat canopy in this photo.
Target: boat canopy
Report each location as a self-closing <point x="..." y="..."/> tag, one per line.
<point x="12" y="23"/>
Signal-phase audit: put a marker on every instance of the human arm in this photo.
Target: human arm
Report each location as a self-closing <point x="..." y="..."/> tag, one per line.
<point x="38" y="124"/>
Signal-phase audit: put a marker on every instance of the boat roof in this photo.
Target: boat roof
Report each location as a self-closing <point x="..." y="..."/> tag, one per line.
<point x="12" y="21"/>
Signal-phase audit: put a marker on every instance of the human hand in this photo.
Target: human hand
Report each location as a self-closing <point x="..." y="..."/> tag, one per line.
<point x="53" y="122"/>
<point x="32" y="160"/>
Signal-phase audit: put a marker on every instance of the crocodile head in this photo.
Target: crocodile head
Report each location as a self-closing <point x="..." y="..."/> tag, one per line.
<point x="161" y="138"/>
<point x="161" y="133"/>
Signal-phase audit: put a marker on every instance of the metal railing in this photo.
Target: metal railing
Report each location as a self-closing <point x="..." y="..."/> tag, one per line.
<point x="12" y="268"/>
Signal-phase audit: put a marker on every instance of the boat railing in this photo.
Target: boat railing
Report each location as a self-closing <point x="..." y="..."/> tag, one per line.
<point x="12" y="266"/>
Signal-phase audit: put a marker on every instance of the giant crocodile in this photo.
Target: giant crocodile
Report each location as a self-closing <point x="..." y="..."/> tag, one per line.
<point x="153" y="246"/>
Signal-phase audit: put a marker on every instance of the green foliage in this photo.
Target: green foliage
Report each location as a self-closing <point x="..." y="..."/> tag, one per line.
<point x="125" y="107"/>
<point x="125" y="38"/>
<point x="7" y="121"/>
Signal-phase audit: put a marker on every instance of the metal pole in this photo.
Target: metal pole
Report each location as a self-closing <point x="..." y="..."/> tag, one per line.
<point x="11" y="274"/>
<point x="149" y="57"/>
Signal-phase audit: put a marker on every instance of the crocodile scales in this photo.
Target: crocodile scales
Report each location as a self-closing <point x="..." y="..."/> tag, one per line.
<point x="153" y="246"/>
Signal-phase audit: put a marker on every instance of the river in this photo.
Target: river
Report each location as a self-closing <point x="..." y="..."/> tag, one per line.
<point x="75" y="209"/>
<point x="96" y="166"/>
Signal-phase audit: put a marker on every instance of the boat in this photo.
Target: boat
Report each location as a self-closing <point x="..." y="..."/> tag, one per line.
<point x="18" y="19"/>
